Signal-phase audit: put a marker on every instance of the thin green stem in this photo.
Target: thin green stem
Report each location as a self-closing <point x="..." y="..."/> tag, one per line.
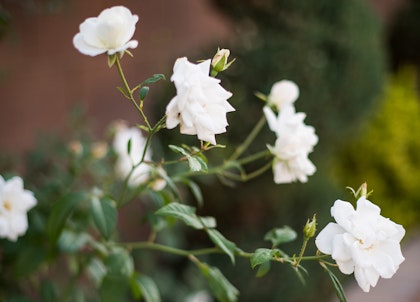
<point x="302" y="251"/>
<point x="129" y="92"/>
<point x="170" y="250"/>
<point x="250" y="138"/>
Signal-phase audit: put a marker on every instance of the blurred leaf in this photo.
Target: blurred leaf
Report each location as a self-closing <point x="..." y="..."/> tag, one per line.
<point x="143" y="92"/>
<point x="104" y="215"/>
<point x="221" y="242"/>
<point x="96" y="270"/>
<point x="195" y="162"/>
<point x="144" y="286"/>
<point x="263" y="269"/>
<point x="187" y="215"/>
<point x="220" y="286"/>
<point x="263" y="255"/>
<point x="280" y="235"/>
<point x="113" y="288"/>
<point x="337" y="285"/>
<point x="119" y="262"/>
<point x="195" y="190"/>
<point x="28" y="260"/>
<point x="198" y="162"/>
<point x="72" y="242"/>
<point x="60" y="211"/>
<point x="48" y="291"/>
<point x="154" y="78"/>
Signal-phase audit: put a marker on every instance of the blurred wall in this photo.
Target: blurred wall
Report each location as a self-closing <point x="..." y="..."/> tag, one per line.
<point x="42" y="75"/>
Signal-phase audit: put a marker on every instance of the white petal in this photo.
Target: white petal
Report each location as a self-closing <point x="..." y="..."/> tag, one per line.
<point x="324" y="240"/>
<point x="342" y="211"/>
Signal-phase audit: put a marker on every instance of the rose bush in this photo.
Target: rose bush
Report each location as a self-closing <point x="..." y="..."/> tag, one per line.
<point x="75" y="224"/>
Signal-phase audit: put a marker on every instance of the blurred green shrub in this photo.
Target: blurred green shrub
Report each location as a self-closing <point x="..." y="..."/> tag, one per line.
<point x="386" y="151"/>
<point x="331" y="48"/>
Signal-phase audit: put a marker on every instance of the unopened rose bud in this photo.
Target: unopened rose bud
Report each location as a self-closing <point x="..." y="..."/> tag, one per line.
<point x="309" y="229"/>
<point x="76" y="147"/>
<point x="219" y="62"/>
<point x="99" y="150"/>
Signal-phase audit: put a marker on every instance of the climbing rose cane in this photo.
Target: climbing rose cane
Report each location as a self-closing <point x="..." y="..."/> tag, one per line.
<point x="362" y="241"/>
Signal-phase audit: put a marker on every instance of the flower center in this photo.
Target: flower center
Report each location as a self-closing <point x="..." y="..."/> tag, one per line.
<point x="7" y="205"/>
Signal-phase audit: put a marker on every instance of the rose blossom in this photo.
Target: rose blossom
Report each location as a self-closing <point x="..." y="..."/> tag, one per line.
<point x="15" y="202"/>
<point x="283" y="93"/>
<point x="294" y="142"/>
<point x="200" y="105"/>
<point x="110" y="32"/>
<point x="362" y="241"/>
<point x="127" y="161"/>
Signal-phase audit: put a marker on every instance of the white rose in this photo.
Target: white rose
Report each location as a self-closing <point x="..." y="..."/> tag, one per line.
<point x="109" y="33"/>
<point x="362" y="241"/>
<point x="15" y="202"/>
<point x="200" y="105"/>
<point x="283" y="93"/>
<point x="128" y="161"/>
<point x="294" y="142"/>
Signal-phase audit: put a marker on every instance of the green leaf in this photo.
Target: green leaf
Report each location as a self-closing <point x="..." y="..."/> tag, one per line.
<point x="28" y="260"/>
<point x="60" y="211"/>
<point x="278" y="236"/>
<point x="187" y="215"/>
<point x="144" y="286"/>
<point x="197" y="163"/>
<point x="262" y="255"/>
<point x="71" y="242"/>
<point x="104" y="215"/>
<point x="113" y="288"/>
<point x="96" y="270"/>
<point x="154" y="78"/>
<point x="129" y="146"/>
<point x="178" y="149"/>
<point x="221" y="242"/>
<point x="337" y="285"/>
<point x="195" y="190"/>
<point x="48" y="291"/>
<point x="119" y="262"/>
<point x="143" y="92"/>
<point x="263" y="269"/>
<point x="220" y="286"/>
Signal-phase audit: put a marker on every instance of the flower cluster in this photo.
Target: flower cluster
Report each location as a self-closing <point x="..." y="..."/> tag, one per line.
<point x="15" y="202"/>
<point x="129" y="145"/>
<point x="200" y="105"/>
<point x="295" y="140"/>
<point x="362" y="241"/>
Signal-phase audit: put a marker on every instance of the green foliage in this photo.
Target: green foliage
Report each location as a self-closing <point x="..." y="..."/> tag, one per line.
<point x="331" y="48"/>
<point x="385" y="153"/>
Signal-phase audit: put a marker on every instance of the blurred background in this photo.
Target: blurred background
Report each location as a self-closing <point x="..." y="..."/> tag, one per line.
<point x="356" y="63"/>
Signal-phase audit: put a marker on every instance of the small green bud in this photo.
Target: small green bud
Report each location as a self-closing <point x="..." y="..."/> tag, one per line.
<point x="309" y="229"/>
<point x="219" y="62"/>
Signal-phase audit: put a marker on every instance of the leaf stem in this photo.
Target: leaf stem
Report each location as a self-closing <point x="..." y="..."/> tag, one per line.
<point x="129" y="92"/>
